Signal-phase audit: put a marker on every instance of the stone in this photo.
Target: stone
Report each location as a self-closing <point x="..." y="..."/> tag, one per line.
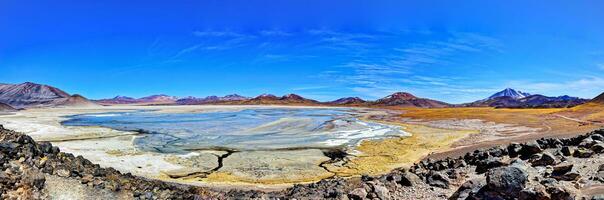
<point x="544" y="160"/>
<point x="598" y="197"/>
<point x="597" y="137"/>
<point x="489" y="163"/>
<point x="530" y="149"/>
<point x="507" y="180"/>
<point x="381" y="191"/>
<point x="566" y="151"/>
<point x="459" y="163"/>
<point x="537" y="193"/>
<point x="560" y="193"/>
<point x="598" y="148"/>
<point x="358" y="194"/>
<point x="63" y="173"/>
<point x="514" y="149"/>
<point x="582" y="153"/>
<point x="562" y="169"/>
<point x="569" y="176"/>
<point x="409" y="179"/>
<point x="468" y="189"/>
<point x="437" y="179"/>
<point x="86" y="179"/>
<point x="587" y="143"/>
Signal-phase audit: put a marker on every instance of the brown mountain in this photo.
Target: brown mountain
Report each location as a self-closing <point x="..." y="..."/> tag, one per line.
<point x="347" y="101"/>
<point x="231" y="98"/>
<point x="404" y="99"/>
<point x="269" y="99"/>
<point x="599" y="99"/>
<point x="153" y="99"/>
<point x="6" y="108"/>
<point x="75" y="100"/>
<point x="29" y="94"/>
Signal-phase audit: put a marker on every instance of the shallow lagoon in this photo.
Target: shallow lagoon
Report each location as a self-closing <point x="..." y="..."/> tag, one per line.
<point x="246" y="129"/>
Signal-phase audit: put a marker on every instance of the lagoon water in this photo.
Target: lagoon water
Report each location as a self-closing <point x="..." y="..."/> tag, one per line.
<point x="246" y="129"/>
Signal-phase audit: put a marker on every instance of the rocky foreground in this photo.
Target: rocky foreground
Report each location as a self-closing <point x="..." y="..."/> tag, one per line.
<point x="569" y="168"/>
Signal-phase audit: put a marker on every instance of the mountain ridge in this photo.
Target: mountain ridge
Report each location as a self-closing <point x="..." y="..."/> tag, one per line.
<point x="405" y="99"/>
<point x="510" y="98"/>
<point x="28" y="94"/>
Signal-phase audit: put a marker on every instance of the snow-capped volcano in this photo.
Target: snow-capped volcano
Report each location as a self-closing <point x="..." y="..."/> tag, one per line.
<point x="509" y="92"/>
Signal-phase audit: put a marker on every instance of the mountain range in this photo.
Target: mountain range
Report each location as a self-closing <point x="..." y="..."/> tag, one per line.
<point x="510" y="98"/>
<point x="153" y="99"/>
<point x="27" y="95"/>
<point x="210" y="99"/>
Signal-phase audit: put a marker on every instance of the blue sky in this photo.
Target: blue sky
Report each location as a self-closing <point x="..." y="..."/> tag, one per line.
<point x="445" y="50"/>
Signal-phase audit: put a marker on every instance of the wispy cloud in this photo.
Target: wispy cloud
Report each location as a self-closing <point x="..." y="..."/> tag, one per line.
<point x="396" y="69"/>
<point x="218" y="34"/>
<point x="600" y="66"/>
<point x="585" y="87"/>
<point x="275" y="32"/>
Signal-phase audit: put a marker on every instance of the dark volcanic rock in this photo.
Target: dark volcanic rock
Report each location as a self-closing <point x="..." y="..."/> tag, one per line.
<point x="468" y="189"/>
<point x="562" y="169"/>
<point x="545" y="159"/>
<point x="489" y="163"/>
<point x="598" y="147"/>
<point x="530" y="149"/>
<point x="437" y="179"/>
<point x="582" y="153"/>
<point x="566" y="151"/>
<point x="506" y="181"/>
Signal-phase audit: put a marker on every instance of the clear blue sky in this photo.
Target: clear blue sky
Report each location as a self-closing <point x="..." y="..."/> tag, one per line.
<point x="445" y="50"/>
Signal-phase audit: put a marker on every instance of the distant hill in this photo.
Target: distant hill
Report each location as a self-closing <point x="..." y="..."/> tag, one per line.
<point x="269" y="99"/>
<point x="210" y="99"/>
<point x="6" y="108"/>
<point x="598" y="99"/>
<point x="28" y="94"/>
<point x="153" y="99"/>
<point x="75" y="100"/>
<point x="347" y="101"/>
<point x="403" y="99"/>
<point x="510" y="98"/>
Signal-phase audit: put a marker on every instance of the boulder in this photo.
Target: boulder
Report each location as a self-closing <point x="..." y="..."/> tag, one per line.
<point x="572" y="175"/>
<point x="536" y="193"/>
<point x="562" y="169"/>
<point x="561" y="193"/>
<point x="514" y="149"/>
<point x="598" y="147"/>
<point x="598" y="197"/>
<point x="544" y="160"/>
<point x="587" y="143"/>
<point x="489" y="163"/>
<point x="381" y="192"/>
<point x="566" y="151"/>
<point x="507" y="181"/>
<point x="437" y="179"/>
<point x="409" y="179"/>
<point x="582" y="153"/>
<point x="468" y="189"/>
<point x="597" y="137"/>
<point x="530" y="149"/>
<point x="358" y="194"/>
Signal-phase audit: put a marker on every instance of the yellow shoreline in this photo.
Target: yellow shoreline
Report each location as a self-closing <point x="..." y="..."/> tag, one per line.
<point x="374" y="157"/>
